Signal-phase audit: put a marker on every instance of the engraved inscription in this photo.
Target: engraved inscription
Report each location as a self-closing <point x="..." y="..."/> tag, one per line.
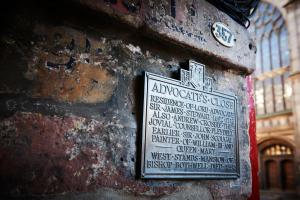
<point x="190" y="130"/>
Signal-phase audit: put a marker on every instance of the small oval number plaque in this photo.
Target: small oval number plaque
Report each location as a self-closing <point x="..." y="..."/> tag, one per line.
<point x="222" y="34"/>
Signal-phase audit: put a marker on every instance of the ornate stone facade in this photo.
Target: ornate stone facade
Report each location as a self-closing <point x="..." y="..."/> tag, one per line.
<point x="277" y="93"/>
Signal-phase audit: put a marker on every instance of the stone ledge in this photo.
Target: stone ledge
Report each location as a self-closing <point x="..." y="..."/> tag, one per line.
<point x="187" y="25"/>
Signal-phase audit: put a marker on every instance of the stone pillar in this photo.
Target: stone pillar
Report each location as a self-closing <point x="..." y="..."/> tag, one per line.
<point x="71" y="88"/>
<point x="293" y="23"/>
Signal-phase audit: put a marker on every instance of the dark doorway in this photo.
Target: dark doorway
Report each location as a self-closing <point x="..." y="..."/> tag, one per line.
<point x="288" y="178"/>
<point x="272" y="175"/>
<point x="277" y="165"/>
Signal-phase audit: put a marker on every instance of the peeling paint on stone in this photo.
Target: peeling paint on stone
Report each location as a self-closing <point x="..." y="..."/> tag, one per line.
<point x="51" y="140"/>
<point x="85" y="83"/>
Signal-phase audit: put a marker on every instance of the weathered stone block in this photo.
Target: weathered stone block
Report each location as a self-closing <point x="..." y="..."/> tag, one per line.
<point x="71" y="93"/>
<point x="186" y="24"/>
<point x="86" y="83"/>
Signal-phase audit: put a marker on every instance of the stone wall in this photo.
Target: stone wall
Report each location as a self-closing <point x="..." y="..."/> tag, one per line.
<point x="71" y="93"/>
<point x="293" y="21"/>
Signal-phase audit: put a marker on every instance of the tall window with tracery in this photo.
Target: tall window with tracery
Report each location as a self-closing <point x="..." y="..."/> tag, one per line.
<point x="272" y="87"/>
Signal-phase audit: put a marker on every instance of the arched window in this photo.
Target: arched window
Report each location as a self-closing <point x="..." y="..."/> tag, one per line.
<point x="272" y="60"/>
<point x="284" y="51"/>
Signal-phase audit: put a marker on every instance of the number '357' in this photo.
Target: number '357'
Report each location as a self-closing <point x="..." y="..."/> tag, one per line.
<point x="223" y="33"/>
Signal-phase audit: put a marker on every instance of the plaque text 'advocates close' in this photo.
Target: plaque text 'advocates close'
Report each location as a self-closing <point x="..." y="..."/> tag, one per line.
<point x="189" y="130"/>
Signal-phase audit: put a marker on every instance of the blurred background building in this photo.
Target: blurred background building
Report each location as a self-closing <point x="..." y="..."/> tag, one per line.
<point x="276" y="25"/>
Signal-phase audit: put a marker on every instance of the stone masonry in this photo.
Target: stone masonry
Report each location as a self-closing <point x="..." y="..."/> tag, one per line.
<point x="71" y="94"/>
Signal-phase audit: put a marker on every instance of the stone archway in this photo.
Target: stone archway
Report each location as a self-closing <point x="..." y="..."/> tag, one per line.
<point x="276" y="165"/>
